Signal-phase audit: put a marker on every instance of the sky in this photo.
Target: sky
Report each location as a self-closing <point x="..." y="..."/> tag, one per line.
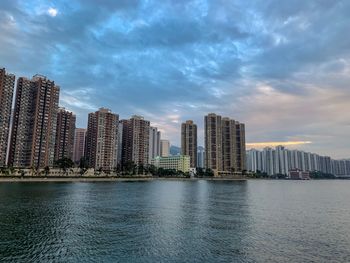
<point x="280" y="67"/>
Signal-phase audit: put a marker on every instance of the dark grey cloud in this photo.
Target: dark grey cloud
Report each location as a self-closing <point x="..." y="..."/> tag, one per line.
<point x="283" y="67"/>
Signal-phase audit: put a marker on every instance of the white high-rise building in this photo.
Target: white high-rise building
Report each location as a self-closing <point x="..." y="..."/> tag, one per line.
<point x="281" y="161"/>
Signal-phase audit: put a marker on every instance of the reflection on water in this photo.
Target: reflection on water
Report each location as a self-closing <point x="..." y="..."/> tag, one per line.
<point x="175" y="221"/>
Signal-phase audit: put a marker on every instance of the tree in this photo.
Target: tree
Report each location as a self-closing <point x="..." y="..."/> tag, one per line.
<point x="200" y="172"/>
<point x="22" y="172"/>
<point x="99" y="170"/>
<point x="11" y="169"/>
<point x="3" y="171"/>
<point x="129" y="168"/>
<point x="64" y="164"/>
<point x="321" y="175"/>
<point x="33" y="170"/>
<point x="152" y="169"/>
<point x="46" y="170"/>
<point x="83" y="165"/>
<point x="140" y="169"/>
<point x="209" y="172"/>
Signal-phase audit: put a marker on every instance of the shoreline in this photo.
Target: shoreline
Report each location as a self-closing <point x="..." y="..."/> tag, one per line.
<point x="5" y="179"/>
<point x="67" y="179"/>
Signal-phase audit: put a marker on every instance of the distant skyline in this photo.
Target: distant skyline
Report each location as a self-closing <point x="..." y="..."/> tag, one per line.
<point x="282" y="68"/>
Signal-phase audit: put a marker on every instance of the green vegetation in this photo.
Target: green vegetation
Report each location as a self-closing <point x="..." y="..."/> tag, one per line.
<point x="64" y="164"/>
<point x="131" y="169"/>
<point x="313" y="175"/>
<point x="83" y="165"/>
<point x="321" y="175"/>
<point x="258" y="175"/>
<point x="46" y="170"/>
<point x="161" y="172"/>
<point x="7" y="170"/>
<point x="204" y="172"/>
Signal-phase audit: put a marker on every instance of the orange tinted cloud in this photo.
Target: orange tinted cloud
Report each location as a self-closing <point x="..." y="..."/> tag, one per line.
<point x="274" y="144"/>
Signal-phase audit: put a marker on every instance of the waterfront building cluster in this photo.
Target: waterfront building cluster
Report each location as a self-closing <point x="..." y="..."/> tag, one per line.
<point x="37" y="133"/>
<point x="280" y="161"/>
<point x="40" y="132"/>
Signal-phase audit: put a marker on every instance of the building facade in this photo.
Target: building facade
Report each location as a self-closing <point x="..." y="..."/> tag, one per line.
<point x="225" y="145"/>
<point x="200" y="157"/>
<point x="164" y="148"/>
<point x="135" y="141"/>
<point x="120" y="143"/>
<point x="79" y="144"/>
<point x="7" y="85"/>
<point x="178" y="162"/>
<point x="154" y="143"/>
<point x="65" y="129"/>
<point x="102" y="140"/>
<point x="229" y="145"/>
<point x="213" y="142"/>
<point x="34" y="123"/>
<point x="280" y="161"/>
<point x="189" y="141"/>
<point x="240" y="147"/>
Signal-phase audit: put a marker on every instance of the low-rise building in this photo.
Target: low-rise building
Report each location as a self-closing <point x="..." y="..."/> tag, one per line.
<point x="297" y="174"/>
<point x="179" y="162"/>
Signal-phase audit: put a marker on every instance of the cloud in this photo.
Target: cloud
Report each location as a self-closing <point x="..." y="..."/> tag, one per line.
<point x="260" y="145"/>
<point x="283" y="68"/>
<point x="52" y="11"/>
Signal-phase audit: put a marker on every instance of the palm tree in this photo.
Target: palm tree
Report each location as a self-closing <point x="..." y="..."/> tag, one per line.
<point x="32" y="170"/>
<point x="46" y="170"/>
<point x="64" y="164"/>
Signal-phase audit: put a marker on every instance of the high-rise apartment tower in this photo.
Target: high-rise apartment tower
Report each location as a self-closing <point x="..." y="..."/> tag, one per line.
<point x="189" y="141"/>
<point x="135" y="140"/>
<point x="102" y="140"/>
<point x="79" y="144"/>
<point x="65" y="130"/>
<point x="7" y="84"/>
<point x="224" y="144"/>
<point x="34" y="123"/>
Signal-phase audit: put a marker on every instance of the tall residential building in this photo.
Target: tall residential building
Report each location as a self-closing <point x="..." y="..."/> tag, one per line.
<point x="79" y="144"/>
<point x="240" y="147"/>
<point x="102" y="140"/>
<point x="213" y="142"/>
<point x="7" y="84"/>
<point x="164" y="148"/>
<point x="189" y="141"/>
<point x="120" y="142"/>
<point x="135" y="140"/>
<point x="229" y="146"/>
<point x="200" y="157"/>
<point x="65" y="130"/>
<point x="224" y="144"/>
<point x="154" y="143"/>
<point x="34" y="123"/>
